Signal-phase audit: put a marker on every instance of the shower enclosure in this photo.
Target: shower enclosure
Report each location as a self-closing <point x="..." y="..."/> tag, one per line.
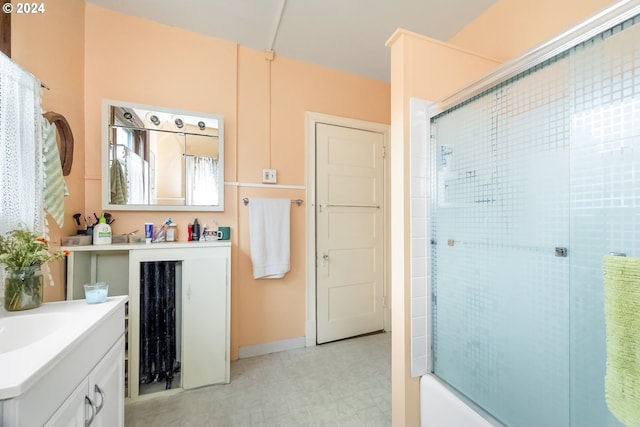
<point x="532" y="182"/>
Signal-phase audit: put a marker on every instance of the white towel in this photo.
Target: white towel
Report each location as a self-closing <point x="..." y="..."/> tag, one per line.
<point x="118" y="182"/>
<point x="269" y="233"/>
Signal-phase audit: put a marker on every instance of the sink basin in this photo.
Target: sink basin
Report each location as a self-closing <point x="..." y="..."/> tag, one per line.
<point x="37" y="345"/>
<point x="20" y="331"/>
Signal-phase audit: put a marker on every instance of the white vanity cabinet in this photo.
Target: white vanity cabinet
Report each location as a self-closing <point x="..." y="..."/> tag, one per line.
<point x="71" y="377"/>
<point x="204" y="323"/>
<point x="73" y="412"/>
<point x="203" y="313"/>
<point x="99" y="400"/>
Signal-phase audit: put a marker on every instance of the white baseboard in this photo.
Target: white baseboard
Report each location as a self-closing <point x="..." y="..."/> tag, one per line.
<point x="271" y="347"/>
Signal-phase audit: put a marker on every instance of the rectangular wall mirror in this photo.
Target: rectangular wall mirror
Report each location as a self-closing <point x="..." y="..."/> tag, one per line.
<point x="156" y="158"/>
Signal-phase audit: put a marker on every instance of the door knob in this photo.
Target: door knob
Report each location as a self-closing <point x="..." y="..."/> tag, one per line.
<point x="325" y="259"/>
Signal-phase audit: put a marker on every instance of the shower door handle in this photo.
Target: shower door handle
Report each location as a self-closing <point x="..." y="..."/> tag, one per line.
<point x="561" y="251"/>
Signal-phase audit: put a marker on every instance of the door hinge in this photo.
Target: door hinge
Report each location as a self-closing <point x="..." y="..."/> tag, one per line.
<point x="384" y="152"/>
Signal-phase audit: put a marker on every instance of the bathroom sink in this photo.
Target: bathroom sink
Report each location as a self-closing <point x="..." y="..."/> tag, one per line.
<point x="20" y="331"/>
<point x="48" y="352"/>
<point x="36" y="343"/>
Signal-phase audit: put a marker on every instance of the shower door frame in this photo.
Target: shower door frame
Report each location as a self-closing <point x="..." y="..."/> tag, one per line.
<point x="600" y="22"/>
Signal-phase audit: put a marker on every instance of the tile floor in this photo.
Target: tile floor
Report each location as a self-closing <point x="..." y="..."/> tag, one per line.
<point x="342" y="384"/>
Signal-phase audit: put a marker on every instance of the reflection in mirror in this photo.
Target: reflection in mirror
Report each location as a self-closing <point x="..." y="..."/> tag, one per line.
<point x="161" y="159"/>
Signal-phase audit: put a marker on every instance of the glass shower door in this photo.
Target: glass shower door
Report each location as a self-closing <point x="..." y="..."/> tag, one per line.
<point x="605" y="200"/>
<point x="501" y="296"/>
<point x="535" y="181"/>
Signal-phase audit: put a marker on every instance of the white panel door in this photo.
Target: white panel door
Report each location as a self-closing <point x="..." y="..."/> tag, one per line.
<point x="204" y="321"/>
<point x="349" y="232"/>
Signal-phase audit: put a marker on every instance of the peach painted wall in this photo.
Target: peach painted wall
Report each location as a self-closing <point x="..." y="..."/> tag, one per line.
<point x="263" y="103"/>
<point x="432" y="68"/>
<point x="428" y="69"/>
<point x="51" y="47"/>
<point x="275" y="308"/>
<point x="510" y="28"/>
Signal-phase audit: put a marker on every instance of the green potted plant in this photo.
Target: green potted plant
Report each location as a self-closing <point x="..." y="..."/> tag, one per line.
<point x="23" y="253"/>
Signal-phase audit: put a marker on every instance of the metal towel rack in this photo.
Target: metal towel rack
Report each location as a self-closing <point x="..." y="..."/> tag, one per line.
<point x="296" y="201"/>
<point x="622" y="254"/>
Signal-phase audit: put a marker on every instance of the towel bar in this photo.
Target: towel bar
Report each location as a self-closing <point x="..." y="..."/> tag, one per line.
<point x="296" y="201"/>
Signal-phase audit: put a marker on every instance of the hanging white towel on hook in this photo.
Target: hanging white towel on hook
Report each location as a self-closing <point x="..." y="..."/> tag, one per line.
<point x="270" y="235"/>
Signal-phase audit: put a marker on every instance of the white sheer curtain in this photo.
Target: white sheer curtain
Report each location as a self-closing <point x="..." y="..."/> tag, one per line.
<point x="202" y="180"/>
<point x="136" y="172"/>
<point x="21" y="162"/>
<point x="21" y="159"/>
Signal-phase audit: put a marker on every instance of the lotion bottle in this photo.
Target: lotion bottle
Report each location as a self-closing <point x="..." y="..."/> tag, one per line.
<point x="102" y="232"/>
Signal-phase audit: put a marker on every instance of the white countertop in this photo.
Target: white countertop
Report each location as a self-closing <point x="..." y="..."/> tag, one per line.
<point x="64" y="325"/>
<point x="145" y="246"/>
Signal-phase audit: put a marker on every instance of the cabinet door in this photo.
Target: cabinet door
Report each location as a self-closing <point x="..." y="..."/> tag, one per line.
<point x="204" y="321"/>
<point x="75" y="410"/>
<point x="106" y="388"/>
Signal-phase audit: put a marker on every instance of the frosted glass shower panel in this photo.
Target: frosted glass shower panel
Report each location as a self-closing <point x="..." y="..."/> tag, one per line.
<point x="535" y="181"/>
<point x="501" y="326"/>
<point x="605" y="200"/>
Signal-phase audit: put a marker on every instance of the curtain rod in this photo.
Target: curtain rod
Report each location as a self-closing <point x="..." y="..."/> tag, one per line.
<point x="42" y="84"/>
<point x="296" y="201"/>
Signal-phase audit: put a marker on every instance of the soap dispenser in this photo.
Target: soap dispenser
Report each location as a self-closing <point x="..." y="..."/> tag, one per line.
<point x="102" y="232"/>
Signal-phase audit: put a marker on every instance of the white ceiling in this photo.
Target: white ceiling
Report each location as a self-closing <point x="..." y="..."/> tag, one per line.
<point x="347" y="35"/>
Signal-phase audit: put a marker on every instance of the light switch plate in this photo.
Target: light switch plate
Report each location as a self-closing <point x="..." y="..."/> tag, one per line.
<point x="269" y="176"/>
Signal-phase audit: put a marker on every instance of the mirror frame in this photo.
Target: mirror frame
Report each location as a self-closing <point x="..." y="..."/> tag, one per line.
<point x="104" y="162"/>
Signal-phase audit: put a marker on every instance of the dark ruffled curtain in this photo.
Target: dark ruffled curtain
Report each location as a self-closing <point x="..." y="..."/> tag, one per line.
<point x="158" y="322"/>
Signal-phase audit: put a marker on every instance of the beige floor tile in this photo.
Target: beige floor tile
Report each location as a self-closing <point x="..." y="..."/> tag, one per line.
<point x="341" y="384"/>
